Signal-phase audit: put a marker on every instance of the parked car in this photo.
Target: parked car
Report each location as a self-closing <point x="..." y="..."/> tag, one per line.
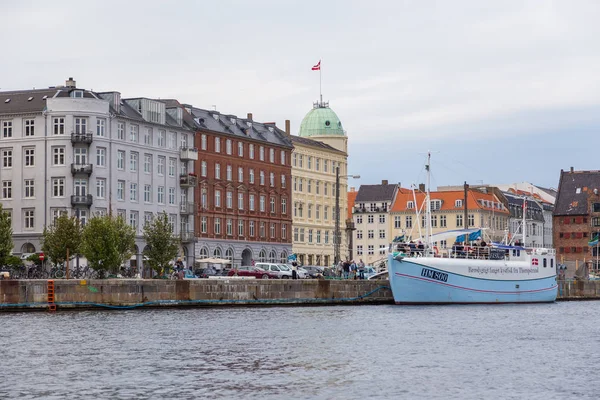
<point x="254" y="271"/>
<point x="302" y="274"/>
<point x="314" y="271"/>
<point x="281" y="273"/>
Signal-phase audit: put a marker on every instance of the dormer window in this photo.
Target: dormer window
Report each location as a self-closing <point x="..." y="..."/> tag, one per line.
<point x="410" y="205"/>
<point x="78" y="94"/>
<point x="458" y="203"/>
<point x="436" y="205"/>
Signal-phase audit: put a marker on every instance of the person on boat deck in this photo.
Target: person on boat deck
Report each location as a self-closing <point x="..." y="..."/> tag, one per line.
<point x="482" y="243"/>
<point x="421" y="247"/>
<point x="459" y="250"/>
<point x="413" y="247"/>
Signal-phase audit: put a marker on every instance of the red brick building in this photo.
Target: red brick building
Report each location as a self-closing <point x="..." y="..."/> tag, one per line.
<point x="576" y="218"/>
<point x="244" y="193"/>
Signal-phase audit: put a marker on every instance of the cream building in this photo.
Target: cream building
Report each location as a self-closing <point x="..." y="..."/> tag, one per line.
<point x="320" y="147"/>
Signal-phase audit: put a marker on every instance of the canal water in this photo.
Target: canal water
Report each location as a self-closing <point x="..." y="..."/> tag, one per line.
<point x="548" y="351"/>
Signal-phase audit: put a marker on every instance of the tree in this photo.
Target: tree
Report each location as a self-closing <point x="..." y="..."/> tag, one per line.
<point x="162" y="245"/>
<point x="65" y="233"/>
<point x="106" y="243"/>
<point x="6" y="243"/>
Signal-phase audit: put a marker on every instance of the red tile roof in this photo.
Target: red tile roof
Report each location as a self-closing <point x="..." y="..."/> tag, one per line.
<point x="351" y="200"/>
<point x="448" y="200"/>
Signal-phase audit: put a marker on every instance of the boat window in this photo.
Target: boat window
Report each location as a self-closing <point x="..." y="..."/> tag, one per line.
<point x="545" y="262"/>
<point x="551" y="263"/>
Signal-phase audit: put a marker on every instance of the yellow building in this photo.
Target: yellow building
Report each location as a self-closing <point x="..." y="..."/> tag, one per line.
<point x="320" y="147"/>
<point x="484" y="210"/>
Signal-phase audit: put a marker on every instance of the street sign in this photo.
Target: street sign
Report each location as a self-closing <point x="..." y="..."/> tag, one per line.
<point x="292" y="257"/>
<point x="41" y="256"/>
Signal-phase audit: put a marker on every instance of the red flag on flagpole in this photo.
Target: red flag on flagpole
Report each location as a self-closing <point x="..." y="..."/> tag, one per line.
<point x="317" y="67"/>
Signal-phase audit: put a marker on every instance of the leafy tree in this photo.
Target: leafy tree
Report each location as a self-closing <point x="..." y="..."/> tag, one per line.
<point x="6" y="243"/>
<point x="162" y="245"/>
<point x="13" y="262"/>
<point x="35" y="258"/>
<point x="65" y="233"/>
<point x="106" y="242"/>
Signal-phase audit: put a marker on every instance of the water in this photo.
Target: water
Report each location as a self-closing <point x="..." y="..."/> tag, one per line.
<point x="346" y="352"/>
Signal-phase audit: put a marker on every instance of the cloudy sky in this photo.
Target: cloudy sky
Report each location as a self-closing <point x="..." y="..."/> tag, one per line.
<point x="499" y="92"/>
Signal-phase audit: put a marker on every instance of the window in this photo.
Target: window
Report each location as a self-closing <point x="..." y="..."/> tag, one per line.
<point x="148" y="136"/>
<point x="7" y="189"/>
<point x="359" y="219"/>
<point x="325" y="188"/>
<point x="459" y="220"/>
<point x="262" y="177"/>
<point x="240" y="174"/>
<point x="471" y="220"/>
<point x="29" y="157"/>
<point x="283" y="181"/>
<point x="326" y="213"/>
<point x="326" y="237"/>
<point x="251" y="228"/>
<point x="397" y="222"/>
<point x="458" y="204"/>
<point x="204" y="225"/>
<point x="7" y="129"/>
<point x="80" y="155"/>
<point x="162" y="138"/>
<point x="272" y="204"/>
<point x="272" y="230"/>
<point x="160" y="168"/>
<point x="228" y="147"/>
<point x="172" y="196"/>
<point x="300" y="184"/>
<point x="229" y="199"/>
<point x="229" y="227"/>
<point x="133" y="161"/>
<point x="29" y="127"/>
<point x="262" y="203"/>
<point x="251" y="175"/>
<point x="217" y="145"/>
<point x="272" y="179"/>
<point x="203" y="141"/>
<point x="282" y="157"/>
<point x="251" y="152"/>
<point x="217" y="171"/>
<point x="203" y="198"/>
<point x="147" y="194"/>
<point x="317" y="164"/>
<point x="58" y="156"/>
<point x="310" y="236"/>
<point x="442" y="221"/>
<point x="251" y="205"/>
<point x="58" y="125"/>
<point x="100" y="188"/>
<point x="133" y="219"/>
<point x="217" y="198"/>
<point x="161" y="195"/>
<point x="29" y="217"/>
<point x="29" y="188"/>
<point x="261" y="153"/>
<point x="309" y="162"/>
<point x="218" y="226"/>
<point x="240" y="150"/>
<point x="120" y="160"/>
<point x="408" y="221"/>
<point x="382" y="218"/>
<point x="240" y="201"/>
<point x="147" y="163"/>
<point x="171" y="166"/>
<point x="300" y="160"/>
<point x="284" y="231"/>
<point x="370" y="219"/>
<point x="371" y="249"/>
<point x="359" y="250"/>
<point x="229" y="173"/>
<point x="284" y="206"/>
<point x="272" y="155"/>
<point x="133" y="133"/>
<point x="101" y="157"/>
<point x="133" y="195"/>
<point x="100" y="127"/>
<point x="325" y="166"/>
<point x="371" y="234"/>
<point x="120" y="190"/>
<point x="302" y="234"/>
<point x="309" y="186"/>
<point x="310" y="211"/>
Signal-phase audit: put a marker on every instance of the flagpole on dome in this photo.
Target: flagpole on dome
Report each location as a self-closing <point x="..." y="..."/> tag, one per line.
<point x="317" y="67"/>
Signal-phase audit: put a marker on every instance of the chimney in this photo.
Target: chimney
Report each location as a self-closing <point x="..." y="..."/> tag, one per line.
<point x="421" y="187"/>
<point x="571" y="169"/>
<point x="352" y="189"/>
<point x="384" y="182"/>
<point x="250" y="116"/>
<point x="287" y="127"/>
<point x="70" y="83"/>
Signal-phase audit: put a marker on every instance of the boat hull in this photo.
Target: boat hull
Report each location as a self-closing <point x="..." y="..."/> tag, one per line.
<point x="421" y="281"/>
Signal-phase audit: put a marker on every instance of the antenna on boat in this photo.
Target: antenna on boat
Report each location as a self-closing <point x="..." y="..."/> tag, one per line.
<point x="427" y="198"/>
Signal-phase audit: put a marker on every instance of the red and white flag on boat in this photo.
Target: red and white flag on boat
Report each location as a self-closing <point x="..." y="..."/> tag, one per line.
<point x="317" y="67"/>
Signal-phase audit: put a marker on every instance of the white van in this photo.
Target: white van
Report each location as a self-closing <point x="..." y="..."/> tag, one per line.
<point x="275" y="268"/>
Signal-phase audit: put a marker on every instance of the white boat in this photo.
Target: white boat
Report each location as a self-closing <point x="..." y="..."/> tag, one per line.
<point x="495" y="274"/>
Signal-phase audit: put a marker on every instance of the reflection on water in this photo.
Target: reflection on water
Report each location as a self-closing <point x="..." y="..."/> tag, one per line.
<point x="343" y="352"/>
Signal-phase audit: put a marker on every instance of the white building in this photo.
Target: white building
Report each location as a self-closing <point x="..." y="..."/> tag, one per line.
<point x="70" y="150"/>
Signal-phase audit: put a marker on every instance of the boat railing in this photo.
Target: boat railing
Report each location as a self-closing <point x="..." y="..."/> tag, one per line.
<point x="465" y="252"/>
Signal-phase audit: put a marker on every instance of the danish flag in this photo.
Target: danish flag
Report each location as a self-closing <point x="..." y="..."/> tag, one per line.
<point x="534" y="261"/>
<point x="317" y="67"/>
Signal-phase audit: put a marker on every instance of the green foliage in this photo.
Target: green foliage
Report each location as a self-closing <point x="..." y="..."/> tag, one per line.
<point x="107" y="243"/>
<point x="35" y="258"/>
<point x="64" y="233"/>
<point x="6" y="243"/>
<point x="162" y="245"/>
<point x="13" y="262"/>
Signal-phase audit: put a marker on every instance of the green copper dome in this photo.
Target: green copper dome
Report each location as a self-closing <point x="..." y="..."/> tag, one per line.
<point x="321" y="121"/>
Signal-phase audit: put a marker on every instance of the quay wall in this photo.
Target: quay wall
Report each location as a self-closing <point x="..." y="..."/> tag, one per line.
<point x="578" y="290"/>
<point x="133" y="293"/>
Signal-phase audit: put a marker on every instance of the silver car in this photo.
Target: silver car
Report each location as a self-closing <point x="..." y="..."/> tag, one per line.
<point x="283" y="273"/>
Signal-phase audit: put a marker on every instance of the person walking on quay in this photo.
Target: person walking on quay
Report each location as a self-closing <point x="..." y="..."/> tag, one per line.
<point x="294" y="270"/>
<point x="346" y="269"/>
<point x="340" y="269"/>
<point x="353" y="270"/>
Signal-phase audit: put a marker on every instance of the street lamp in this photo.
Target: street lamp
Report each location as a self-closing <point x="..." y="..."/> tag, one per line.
<point x="337" y="236"/>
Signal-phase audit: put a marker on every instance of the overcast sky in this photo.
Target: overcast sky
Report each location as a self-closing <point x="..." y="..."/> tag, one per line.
<point x="500" y="92"/>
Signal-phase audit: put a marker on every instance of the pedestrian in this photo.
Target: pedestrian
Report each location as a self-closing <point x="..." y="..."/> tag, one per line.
<point x="294" y="270"/>
<point x="353" y="269"/>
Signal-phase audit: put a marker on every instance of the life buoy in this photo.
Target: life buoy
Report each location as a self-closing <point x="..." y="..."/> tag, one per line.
<point x="436" y="250"/>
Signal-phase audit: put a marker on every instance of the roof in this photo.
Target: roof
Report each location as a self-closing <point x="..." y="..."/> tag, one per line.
<point x="34" y="100"/>
<point x="476" y="200"/>
<point x="574" y="188"/>
<point x="314" y="143"/>
<point x="321" y="121"/>
<point x="515" y="205"/>
<point x="351" y="200"/>
<point x="383" y="192"/>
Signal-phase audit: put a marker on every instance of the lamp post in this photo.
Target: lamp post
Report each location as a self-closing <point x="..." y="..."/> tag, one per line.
<point x="337" y="239"/>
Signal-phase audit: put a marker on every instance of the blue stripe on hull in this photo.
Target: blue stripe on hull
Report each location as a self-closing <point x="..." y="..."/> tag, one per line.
<point x="409" y="287"/>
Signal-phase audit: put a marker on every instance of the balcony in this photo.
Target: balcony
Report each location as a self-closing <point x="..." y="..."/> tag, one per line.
<point x="188" y="153"/>
<point x="85" y="169"/>
<point x="187" y="208"/>
<point x="85" y="200"/>
<point x="188" y="180"/>
<point x="187" y="237"/>
<point x="358" y="210"/>
<point x="85" y="138"/>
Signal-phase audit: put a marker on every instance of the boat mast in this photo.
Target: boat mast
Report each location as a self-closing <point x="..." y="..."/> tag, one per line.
<point x="524" y="222"/>
<point x="428" y="204"/>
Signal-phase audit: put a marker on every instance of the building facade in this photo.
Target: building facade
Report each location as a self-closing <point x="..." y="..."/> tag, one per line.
<point x="244" y="188"/>
<point x="371" y="216"/>
<point x="534" y="220"/>
<point x="577" y="219"/>
<point x="74" y="151"/>
<point x="320" y="150"/>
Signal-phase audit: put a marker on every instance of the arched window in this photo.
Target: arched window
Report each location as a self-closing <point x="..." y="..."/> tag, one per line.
<point x="284" y="257"/>
<point x="203" y="252"/>
<point x="272" y="256"/>
<point x="262" y="256"/>
<point x="28" y="248"/>
<point x="229" y="254"/>
<point x="217" y="253"/>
